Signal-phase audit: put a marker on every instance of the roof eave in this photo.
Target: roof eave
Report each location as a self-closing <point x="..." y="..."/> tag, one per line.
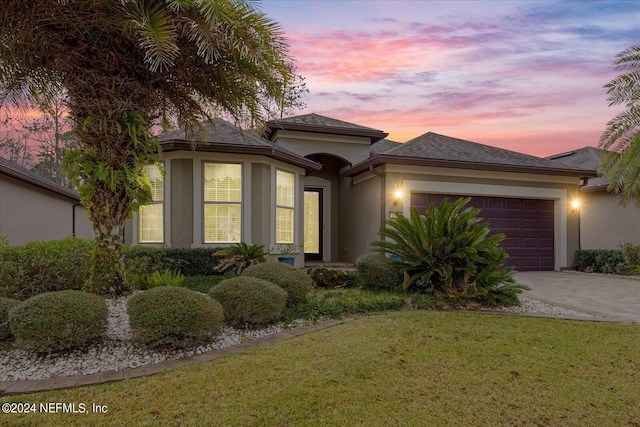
<point x="373" y="135"/>
<point x="383" y="159"/>
<point x="41" y="184"/>
<point x="308" y="165"/>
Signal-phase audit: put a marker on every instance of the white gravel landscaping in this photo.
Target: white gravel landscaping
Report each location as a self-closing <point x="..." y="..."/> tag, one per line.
<point x="117" y="351"/>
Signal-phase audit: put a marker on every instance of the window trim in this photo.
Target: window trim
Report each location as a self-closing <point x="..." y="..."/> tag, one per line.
<point x="241" y="203"/>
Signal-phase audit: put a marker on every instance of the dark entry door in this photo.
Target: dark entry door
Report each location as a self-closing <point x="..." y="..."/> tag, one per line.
<point x="313" y="224"/>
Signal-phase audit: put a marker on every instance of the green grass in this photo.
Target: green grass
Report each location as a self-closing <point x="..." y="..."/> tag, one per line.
<point x="411" y="368"/>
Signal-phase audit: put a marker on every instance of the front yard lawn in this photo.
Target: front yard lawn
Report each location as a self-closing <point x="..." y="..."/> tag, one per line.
<point x="410" y="368"/>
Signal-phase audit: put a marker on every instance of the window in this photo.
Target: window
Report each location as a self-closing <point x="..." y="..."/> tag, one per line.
<point x="285" y="206"/>
<point x="151" y="216"/>
<point x="222" y="203"/>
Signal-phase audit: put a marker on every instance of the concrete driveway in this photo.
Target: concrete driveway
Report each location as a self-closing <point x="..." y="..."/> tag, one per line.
<point x="607" y="298"/>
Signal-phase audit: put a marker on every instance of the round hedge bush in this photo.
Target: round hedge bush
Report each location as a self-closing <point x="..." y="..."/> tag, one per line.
<point x="6" y="304"/>
<point x="248" y="301"/>
<point x="376" y="273"/>
<point x="61" y="320"/>
<point x="297" y="283"/>
<point x="173" y="317"/>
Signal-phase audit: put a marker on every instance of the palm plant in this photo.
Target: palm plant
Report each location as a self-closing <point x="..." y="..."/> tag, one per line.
<point x="448" y="252"/>
<point x="239" y="257"/>
<point x="622" y="166"/>
<point x="126" y="66"/>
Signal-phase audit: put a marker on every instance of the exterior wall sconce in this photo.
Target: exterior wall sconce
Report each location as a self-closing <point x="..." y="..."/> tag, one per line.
<point x="575" y="205"/>
<point x="397" y="196"/>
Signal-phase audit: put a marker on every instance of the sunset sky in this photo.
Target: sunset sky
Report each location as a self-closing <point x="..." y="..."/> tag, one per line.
<point x="522" y="75"/>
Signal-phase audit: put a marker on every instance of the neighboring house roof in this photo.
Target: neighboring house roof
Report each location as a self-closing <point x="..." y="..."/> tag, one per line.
<point x="227" y="138"/>
<point x="322" y="124"/>
<point x="16" y="171"/>
<point x="432" y="149"/>
<point x="588" y="158"/>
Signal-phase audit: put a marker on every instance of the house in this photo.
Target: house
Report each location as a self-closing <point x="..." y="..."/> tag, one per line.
<point x="604" y="223"/>
<point x="34" y="208"/>
<point x="326" y="186"/>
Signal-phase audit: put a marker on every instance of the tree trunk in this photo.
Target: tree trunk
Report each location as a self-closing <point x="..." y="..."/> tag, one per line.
<point x="108" y="212"/>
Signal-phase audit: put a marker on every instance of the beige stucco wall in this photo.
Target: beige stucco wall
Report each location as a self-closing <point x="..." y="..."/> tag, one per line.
<point x="365" y="193"/>
<point x="183" y="212"/>
<point x="353" y="149"/>
<point x="29" y="213"/>
<point x="604" y="224"/>
<point x="360" y="216"/>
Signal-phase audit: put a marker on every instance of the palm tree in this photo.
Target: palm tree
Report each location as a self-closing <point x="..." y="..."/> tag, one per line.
<point x="622" y="136"/>
<point x="126" y="66"/>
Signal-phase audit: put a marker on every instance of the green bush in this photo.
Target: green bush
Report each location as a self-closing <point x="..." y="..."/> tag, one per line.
<point x="326" y="278"/>
<point x="630" y="253"/>
<point x="40" y="267"/>
<point x="448" y="252"/>
<point x="60" y="320"/>
<point x="205" y="283"/>
<point x="600" y="261"/>
<point x="249" y="301"/>
<point x="6" y="304"/>
<point x="173" y="317"/>
<point x="375" y="272"/>
<point x="144" y="260"/>
<point x="337" y="303"/>
<point x="166" y="278"/>
<point x="296" y="282"/>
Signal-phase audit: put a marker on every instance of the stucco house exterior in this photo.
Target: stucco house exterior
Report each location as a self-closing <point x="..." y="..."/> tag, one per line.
<point x="326" y="186"/>
<point x="34" y="208"/>
<point x="604" y="223"/>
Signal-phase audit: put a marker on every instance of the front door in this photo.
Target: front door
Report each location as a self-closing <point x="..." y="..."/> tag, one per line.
<point x="313" y="224"/>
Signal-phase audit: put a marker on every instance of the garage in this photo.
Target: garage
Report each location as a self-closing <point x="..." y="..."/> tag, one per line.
<point x="527" y="223"/>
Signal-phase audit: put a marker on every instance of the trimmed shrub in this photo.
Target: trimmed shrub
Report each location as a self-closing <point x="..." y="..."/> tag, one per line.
<point x="249" y="301"/>
<point x="6" y="304"/>
<point x="144" y="260"/>
<point x="204" y="283"/>
<point x="60" y="320"/>
<point x="600" y="261"/>
<point x="173" y="317"/>
<point x="296" y="282"/>
<point x="40" y="267"/>
<point x="376" y="273"/>
<point x="326" y="278"/>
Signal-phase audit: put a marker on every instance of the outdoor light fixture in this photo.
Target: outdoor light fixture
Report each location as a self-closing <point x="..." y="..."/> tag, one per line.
<point x="397" y="196"/>
<point x="575" y="204"/>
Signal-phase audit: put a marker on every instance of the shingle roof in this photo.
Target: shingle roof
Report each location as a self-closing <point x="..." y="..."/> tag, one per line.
<point x="382" y="146"/>
<point x="587" y="158"/>
<point x="322" y="124"/>
<point x="432" y="149"/>
<point x="227" y="138"/>
<point x="16" y="171"/>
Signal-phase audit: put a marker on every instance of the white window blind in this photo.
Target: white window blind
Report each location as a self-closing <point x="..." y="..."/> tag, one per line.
<point x="285" y="207"/>
<point x="222" y="203"/>
<point x="151" y="216"/>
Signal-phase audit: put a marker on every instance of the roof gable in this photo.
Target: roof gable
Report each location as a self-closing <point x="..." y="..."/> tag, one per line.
<point x="322" y="124"/>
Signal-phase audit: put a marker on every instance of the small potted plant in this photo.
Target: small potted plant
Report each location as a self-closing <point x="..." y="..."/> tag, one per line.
<point x="286" y="253"/>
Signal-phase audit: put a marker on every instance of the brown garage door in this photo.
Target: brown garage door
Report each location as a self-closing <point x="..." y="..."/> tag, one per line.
<point x="527" y="223"/>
